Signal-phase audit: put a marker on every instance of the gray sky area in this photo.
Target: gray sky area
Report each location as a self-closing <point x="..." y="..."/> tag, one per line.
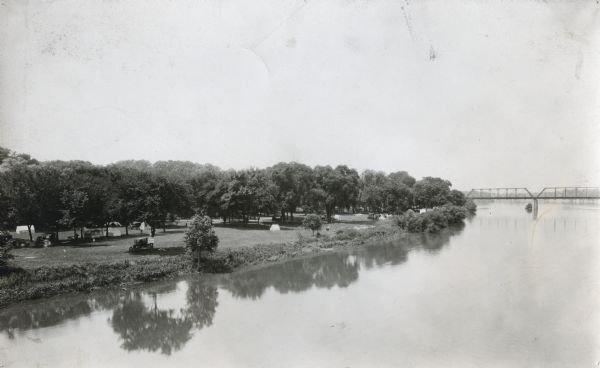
<point x="484" y="93"/>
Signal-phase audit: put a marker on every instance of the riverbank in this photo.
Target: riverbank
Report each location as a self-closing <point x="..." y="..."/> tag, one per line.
<point x="46" y="281"/>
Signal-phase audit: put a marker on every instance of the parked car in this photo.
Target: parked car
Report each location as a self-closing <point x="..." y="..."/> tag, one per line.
<point x="142" y="244"/>
<point x="45" y="239"/>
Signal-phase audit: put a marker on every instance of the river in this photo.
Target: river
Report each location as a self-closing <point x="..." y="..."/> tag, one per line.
<point x="505" y="290"/>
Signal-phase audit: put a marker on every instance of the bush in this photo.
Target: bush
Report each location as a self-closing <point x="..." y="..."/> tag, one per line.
<point x="6" y="242"/>
<point x="312" y="222"/>
<point x="416" y="224"/>
<point x="454" y="214"/>
<point x="470" y="206"/>
<point x="347" y="234"/>
<point x="200" y="237"/>
<point x="403" y="219"/>
<point x="435" y="221"/>
<point x="431" y="221"/>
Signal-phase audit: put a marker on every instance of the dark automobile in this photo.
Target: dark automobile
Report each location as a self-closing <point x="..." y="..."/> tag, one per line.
<point x="142" y="244"/>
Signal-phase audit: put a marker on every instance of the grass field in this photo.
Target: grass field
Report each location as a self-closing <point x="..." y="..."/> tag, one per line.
<point x="108" y="250"/>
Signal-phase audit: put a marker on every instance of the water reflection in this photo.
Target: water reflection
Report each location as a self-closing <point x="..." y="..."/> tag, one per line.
<point x="329" y="270"/>
<point x="140" y="324"/>
<point x="149" y="328"/>
<point x="324" y="271"/>
<point x="53" y="312"/>
<point x="143" y="319"/>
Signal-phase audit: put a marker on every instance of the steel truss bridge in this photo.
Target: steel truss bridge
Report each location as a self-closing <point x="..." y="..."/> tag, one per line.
<point x="571" y="193"/>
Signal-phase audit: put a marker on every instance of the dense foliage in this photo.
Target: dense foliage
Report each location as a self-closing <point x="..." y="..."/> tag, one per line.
<point x="57" y="195"/>
<point x="312" y="222"/>
<point x="200" y="237"/>
<point x="436" y="219"/>
<point x="5" y="245"/>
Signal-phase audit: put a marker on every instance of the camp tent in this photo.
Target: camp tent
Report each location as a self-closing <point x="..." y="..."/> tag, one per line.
<point x="23" y="229"/>
<point x="144" y="226"/>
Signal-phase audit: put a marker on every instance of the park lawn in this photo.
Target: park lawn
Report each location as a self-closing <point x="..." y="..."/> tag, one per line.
<point x="109" y="250"/>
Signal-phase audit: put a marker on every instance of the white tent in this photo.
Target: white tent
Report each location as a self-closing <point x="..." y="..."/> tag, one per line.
<point x="23" y="229"/>
<point x="274" y="227"/>
<point x="144" y="226"/>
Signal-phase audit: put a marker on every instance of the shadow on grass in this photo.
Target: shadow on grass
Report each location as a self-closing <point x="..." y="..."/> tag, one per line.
<point x="171" y="251"/>
<point x="356" y="222"/>
<point x="7" y="270"/>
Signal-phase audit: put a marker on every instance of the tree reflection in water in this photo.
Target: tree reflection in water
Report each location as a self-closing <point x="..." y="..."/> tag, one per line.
<point x="326" y="271"/>
<point x="335" y="269"/>
<point x="146" y="326"/>
<point x="53" y="312"/>
<point x="150" y="328"/>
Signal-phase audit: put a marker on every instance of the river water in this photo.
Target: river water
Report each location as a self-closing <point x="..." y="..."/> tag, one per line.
<point x="505" y="290"/>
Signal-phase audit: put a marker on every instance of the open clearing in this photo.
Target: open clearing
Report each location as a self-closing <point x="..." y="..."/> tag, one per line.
<point x="108" y="250"/>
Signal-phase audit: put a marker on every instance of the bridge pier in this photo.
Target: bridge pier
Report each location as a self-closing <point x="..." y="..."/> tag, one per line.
<point x="535" y="208"/>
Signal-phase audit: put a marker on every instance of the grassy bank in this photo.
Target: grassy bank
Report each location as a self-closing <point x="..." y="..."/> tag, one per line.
<point x="114" y="249"/>
<point x="47" y="281"/>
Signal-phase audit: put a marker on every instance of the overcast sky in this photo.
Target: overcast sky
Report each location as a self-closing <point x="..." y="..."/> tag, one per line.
<point x="484" y="93"/>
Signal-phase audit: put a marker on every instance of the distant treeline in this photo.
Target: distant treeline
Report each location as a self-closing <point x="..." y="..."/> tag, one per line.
<point x="55" y="195"/>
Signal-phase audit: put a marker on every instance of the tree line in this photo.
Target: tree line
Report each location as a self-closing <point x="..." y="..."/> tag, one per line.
<point x="57" y="195"/>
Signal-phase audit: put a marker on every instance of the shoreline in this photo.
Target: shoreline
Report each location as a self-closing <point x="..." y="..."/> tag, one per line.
<point x="48" y="281"/>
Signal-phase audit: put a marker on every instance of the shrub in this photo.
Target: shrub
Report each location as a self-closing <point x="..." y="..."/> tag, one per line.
<point x="6" y="242"/>
<point x="312" y="222"/>
<point x="200" y="237"/>
<point x="404" y="219"/>
<point x="431" y="221"/>
<point x="434" y="221"/>
<point x="454" y="214"/>
<point x="347" y="234"/>
<point x="416" y="224"/>
<point x="470" y="206"/>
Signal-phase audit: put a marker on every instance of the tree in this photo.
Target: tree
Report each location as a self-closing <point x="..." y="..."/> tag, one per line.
<point x="347" y="187"/>
<point x="372" y="185"/>
<point x="293" y="182"/>
<point x="312" y="222"/>
<point x="125" y="206"/>
<point x="5" y="245"/>
<point x="160" y="198"/>
<point x="431" y="192"/>
<point x="4" y="154"/>
<point x="457" y="198"/>
<point x="200" y="236"/>
<point x="398" y="194"/>
<point x="73" y="209"/>
<point x="21" y="191"/>
<point x="49" y="197"/>
<point x="403" y="177"/>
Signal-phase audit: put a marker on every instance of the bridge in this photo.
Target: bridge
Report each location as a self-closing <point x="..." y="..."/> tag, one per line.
<point x="546" y="193"/>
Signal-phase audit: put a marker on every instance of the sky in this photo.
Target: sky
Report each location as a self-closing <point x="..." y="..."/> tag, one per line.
<point x="483" y="93"/>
